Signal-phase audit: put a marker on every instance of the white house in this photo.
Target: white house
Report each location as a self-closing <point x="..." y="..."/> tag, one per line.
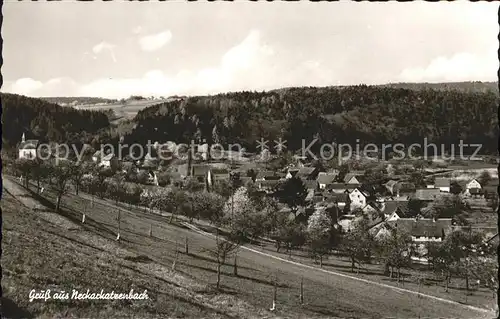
<point x="473" y="188"/>
<point x="325" y="179"/>
<point x="472" y="184"/>
<point x="357" y="198"/>
<point x="109" y="161"/>
<point x="28" y="148"/>
<point x="351" y="179"/>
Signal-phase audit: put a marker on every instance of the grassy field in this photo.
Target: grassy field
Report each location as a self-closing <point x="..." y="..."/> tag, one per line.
<point x="254" y="283"/>
<point x="40" y="254"/>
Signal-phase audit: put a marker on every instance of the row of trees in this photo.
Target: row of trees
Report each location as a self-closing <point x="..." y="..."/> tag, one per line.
<point x="243" y="214"/>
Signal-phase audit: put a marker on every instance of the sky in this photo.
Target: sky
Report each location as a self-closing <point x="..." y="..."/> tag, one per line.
<point x="117" y="49"/>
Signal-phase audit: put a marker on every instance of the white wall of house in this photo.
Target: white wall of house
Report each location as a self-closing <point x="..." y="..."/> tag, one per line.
<point x="357" y="198"/>
<point x="472" y="184"/>
<point x="445" y="189"/>
<point x="425" y="239"/>
<point x="29" y="153"/>
<point x="353" y="180"/>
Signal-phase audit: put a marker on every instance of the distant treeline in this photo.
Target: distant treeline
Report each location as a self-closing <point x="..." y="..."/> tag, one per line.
<point x="47" y="121"/>
<point x="370" y="114"/>
<point x="79" y="100"/>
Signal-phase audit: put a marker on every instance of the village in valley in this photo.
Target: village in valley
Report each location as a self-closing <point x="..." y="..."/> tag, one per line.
<point x="362" y="201"/>
<point x="250" y="160"/>
<point x="416" y="222"/>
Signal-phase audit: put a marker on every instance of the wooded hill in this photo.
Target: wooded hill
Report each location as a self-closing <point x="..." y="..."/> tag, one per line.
<point x="372" y="114"/>
<point x="47" y="121"/>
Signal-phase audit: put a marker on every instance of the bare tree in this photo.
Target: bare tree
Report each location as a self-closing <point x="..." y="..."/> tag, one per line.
<point x="223" y="250"/>
<point x="61" y="174"/>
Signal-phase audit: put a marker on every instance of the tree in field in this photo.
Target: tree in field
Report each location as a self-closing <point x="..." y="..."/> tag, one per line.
<point x="319" y="233"/>
<point x="396" y="250"/>
<point x="77" y="176"/>
<point x="287" y="232"/>
<point x="224" y="249"/>
<point x="61" y="175"/>
<point x="40" y="171"/>
<point x="358" y="244"/>
<point x="24" y="168"/>
<point x="209" y="206"/>
<point x="441" y="258"/>
<point x="242" y="215"/>
<point x="465" y="245"/>
<point x="115" y="188"/>
<point x="293" y="193"/>
<point x="484" y="178"/>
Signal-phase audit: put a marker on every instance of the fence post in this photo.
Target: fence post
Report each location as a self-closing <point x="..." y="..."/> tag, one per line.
<point x="151" y="230"/>
<point x="119" y="218"/>
<point x="302" y="290"/>
<point x="186" y="245"/>
<point x="275" y="291"/>
<point x="83" y="216"/>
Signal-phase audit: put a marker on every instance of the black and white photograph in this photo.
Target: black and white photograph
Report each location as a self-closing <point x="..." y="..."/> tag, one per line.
<point x="249" y="159"/>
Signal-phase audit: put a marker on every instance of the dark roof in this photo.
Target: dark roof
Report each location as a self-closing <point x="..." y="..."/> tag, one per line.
<point x="423" y="227"/>
<point x="442" y="182"/>
<point x="267" y="175"/>
<point x="390" y="207"/>
<point x="199" y="170"/>
<point x="29" y="144"/>
<point x="427" y="193"/>
<point x="349" y="176"/>
<point x="219" y="171"/>
<point x="310" y="184"/>
<point x="326" y="178"/>
<point x="269" y="183"/>
<point x="339" y="198"/>
<point x="245" y="179"/>
<point x="342" y="186"/>
<point x="306" y="172"/>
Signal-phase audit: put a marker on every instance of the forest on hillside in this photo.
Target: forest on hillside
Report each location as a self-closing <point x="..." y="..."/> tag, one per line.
<point x="370" y="114"/>
<point x="47" y="121"/>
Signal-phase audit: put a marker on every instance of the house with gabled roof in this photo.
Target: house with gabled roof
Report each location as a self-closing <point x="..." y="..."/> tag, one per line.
<point x="339" y="200"/>
<point x="325" y="179"/>
<point x="28" y="148"/>
<point x="340" y="187"/>
<point x="304" y="173"/>
<point x="443" y="184"/>
<point x="267" y="175"/>
<point x="267" y="186"/>
<point x="351" y="178"/>
<point x="421" y="230"/>
<point x="389" y="208"/>
<point x="217" y="174"/>
<point x="357" y="198"/>
<point x="427" y="194"/>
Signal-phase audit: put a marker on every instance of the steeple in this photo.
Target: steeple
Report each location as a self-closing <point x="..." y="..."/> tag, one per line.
<point x="23" y="139"/>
